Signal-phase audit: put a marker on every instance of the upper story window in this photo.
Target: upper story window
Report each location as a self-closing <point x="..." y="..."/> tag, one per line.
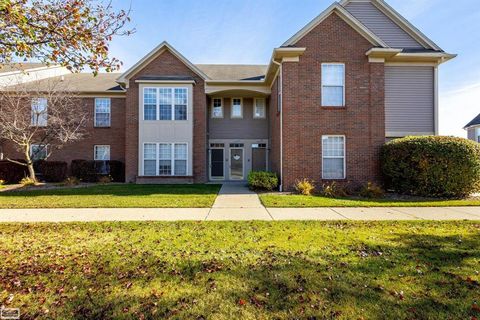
<point x="102" y="112"/>
<point x="217" y="108"/>
<point x="333" y="85"/>
<point x="259" y="110"/>
<point x="39" y="112"/>
<point x="38" y="152"/>
<point x="165" y="103"/>
<point x="477" y="134"/>
<point x="237" y="109"/>
<point x="333" y="157"/>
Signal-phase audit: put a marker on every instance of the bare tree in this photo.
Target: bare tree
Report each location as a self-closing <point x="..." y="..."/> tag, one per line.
<point x="40" y="117"/>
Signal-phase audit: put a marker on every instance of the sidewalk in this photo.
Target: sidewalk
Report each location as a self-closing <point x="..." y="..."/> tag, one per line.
<point x="235" y="202"/>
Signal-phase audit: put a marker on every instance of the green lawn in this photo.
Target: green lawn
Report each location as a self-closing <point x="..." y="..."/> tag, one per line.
<point x="299" y="201"/>
<point x="114" y="196"/>
<point x="241" y="270"/>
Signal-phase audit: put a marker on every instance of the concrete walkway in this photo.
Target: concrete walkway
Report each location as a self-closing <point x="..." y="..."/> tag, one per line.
<point x="236" y="202"/>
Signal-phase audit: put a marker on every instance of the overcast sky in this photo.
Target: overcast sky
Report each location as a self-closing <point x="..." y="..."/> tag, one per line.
<point x="246" y="31"/>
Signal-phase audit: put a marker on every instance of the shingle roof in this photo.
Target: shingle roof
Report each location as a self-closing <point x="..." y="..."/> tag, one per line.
<point x="233" y="71"/>
<point x="79" y="82"/>
<point x="474" y="122"/>
<point x="20" y="66"/>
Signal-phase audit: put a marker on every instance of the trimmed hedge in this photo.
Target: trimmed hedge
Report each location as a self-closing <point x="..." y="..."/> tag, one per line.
<point x="262" y="180"/>
<point x="11" y="172"/>
<point x="52" y="171"/>
<point x="92" y="171"/>
<point x="432" y="166"/>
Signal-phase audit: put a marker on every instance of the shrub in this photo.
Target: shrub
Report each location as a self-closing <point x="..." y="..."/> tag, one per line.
<point x="52" y="171"/>
<point x="92" y="171"/>
<point x="432" y="166"/>
<point x="104" y="180"/>
<point x="333" y="190"/>
<point x="304" y="187"/>
<point x="27" y="181"/>
<point x="12" y="172"/>
<point x="71" y="181"/>
<point x="262" y="180"/>
<point x="372" y="191"/>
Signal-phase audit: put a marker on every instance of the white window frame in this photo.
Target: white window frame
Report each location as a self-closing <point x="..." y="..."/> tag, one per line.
<point x="95" y="152"/>
<point x="36" y="117"/>
<point x="241" y="108"/>
<point x="157" y="110"/>
<point x="39" y="144"/>
<point x="343" y="84"/>
<point x="213" y="107"/>
<point x="109" y="113"/>
<point x="157" y="158"/>
<point x="264" y="108"/>
<point x="336" y="157"/>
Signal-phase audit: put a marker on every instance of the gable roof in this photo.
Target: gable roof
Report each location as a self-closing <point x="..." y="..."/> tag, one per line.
<point x="474" y="122"/>
<point x="155" y="53"/>
<point x="346" y="16"/>
<point x="400" y="21"/>
<point x="23" y="66"/>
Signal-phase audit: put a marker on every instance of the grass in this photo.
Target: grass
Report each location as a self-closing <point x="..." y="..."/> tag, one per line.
<point x="241" y="270"/>
<point x="114" y="196"/>
<point x="299" y="201"/>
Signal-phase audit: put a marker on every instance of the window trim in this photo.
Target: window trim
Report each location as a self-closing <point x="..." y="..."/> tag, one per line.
<point x="241" y="108"/>
<point x="39" y="144"/>
<point x="343" y="84"/>
<point x="95" y="112"/>
<point x="101" y="145"/>
<point x="330" y="157"/>
<point x="157" y="105"/>
<point x="157" y="159"/>
<point x="255" y="108"/>
<point x="221" y="104"/>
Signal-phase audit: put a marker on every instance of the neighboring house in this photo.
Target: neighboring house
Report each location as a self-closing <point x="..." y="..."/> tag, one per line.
<point x="331" y="95"/>
<point x="11" y="74"/>
<point x="473" y="129"/>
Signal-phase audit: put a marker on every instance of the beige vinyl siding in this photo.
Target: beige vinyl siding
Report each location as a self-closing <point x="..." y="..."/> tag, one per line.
<point x="409" y="100"/>
<point x="246" y="127"/>
<point x="381" y="25"/>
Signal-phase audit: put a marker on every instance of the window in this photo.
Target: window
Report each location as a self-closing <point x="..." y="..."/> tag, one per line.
<point x="236" y="108"/>
<point x="333" y="85"/>
<point x="236" y="145"/>
<point x="180" y="103"/>
<point x="259" y="109"/>
<point x="149" y="104"/>
<point x="259" y="145"/>
<point x="102" y="112"/>
<point x="217" y="108"/>
<point x="38" y="152"/>
<point x="101" y="153"/>
<point x="39" y="112"/>
<point x="477" y="134"/>
<point x="171" y="159"/>
<point x="333" y="157"/>
<point x="150" y="159"/>
<point x="172" y="103"/>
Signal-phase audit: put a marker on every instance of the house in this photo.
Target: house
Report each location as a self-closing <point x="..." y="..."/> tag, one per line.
<point x="473" y="129"/>
<point x="356" y="76"/>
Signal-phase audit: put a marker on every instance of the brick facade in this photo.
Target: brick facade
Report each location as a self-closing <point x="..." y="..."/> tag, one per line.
<point x="113" y="136"/>
<point x="167" y="64"/>
<point x="362" y="121"/>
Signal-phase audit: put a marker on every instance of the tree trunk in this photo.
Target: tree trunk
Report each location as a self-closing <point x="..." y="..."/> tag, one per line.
<point x="31" y="170"/>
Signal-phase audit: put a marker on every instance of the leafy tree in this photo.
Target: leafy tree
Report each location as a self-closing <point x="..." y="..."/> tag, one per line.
<point x="73" y="33"/>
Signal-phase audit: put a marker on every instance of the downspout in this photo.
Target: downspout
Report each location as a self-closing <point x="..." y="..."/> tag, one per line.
<point x="281" y="121"/>
<point x="435" y="100"/>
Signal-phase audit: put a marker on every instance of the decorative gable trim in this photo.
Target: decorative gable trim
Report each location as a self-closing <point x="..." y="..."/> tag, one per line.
<point x="400" y="21"/>
<point x="161" y="48"/>
<point x="347" y="17"/>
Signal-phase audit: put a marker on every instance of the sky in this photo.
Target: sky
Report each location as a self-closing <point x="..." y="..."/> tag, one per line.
<point x="246" y="32"/>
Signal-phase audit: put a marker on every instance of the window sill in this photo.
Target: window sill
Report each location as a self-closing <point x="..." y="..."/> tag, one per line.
<point x="102" y="127"/>
<point x="333" y="108"/>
